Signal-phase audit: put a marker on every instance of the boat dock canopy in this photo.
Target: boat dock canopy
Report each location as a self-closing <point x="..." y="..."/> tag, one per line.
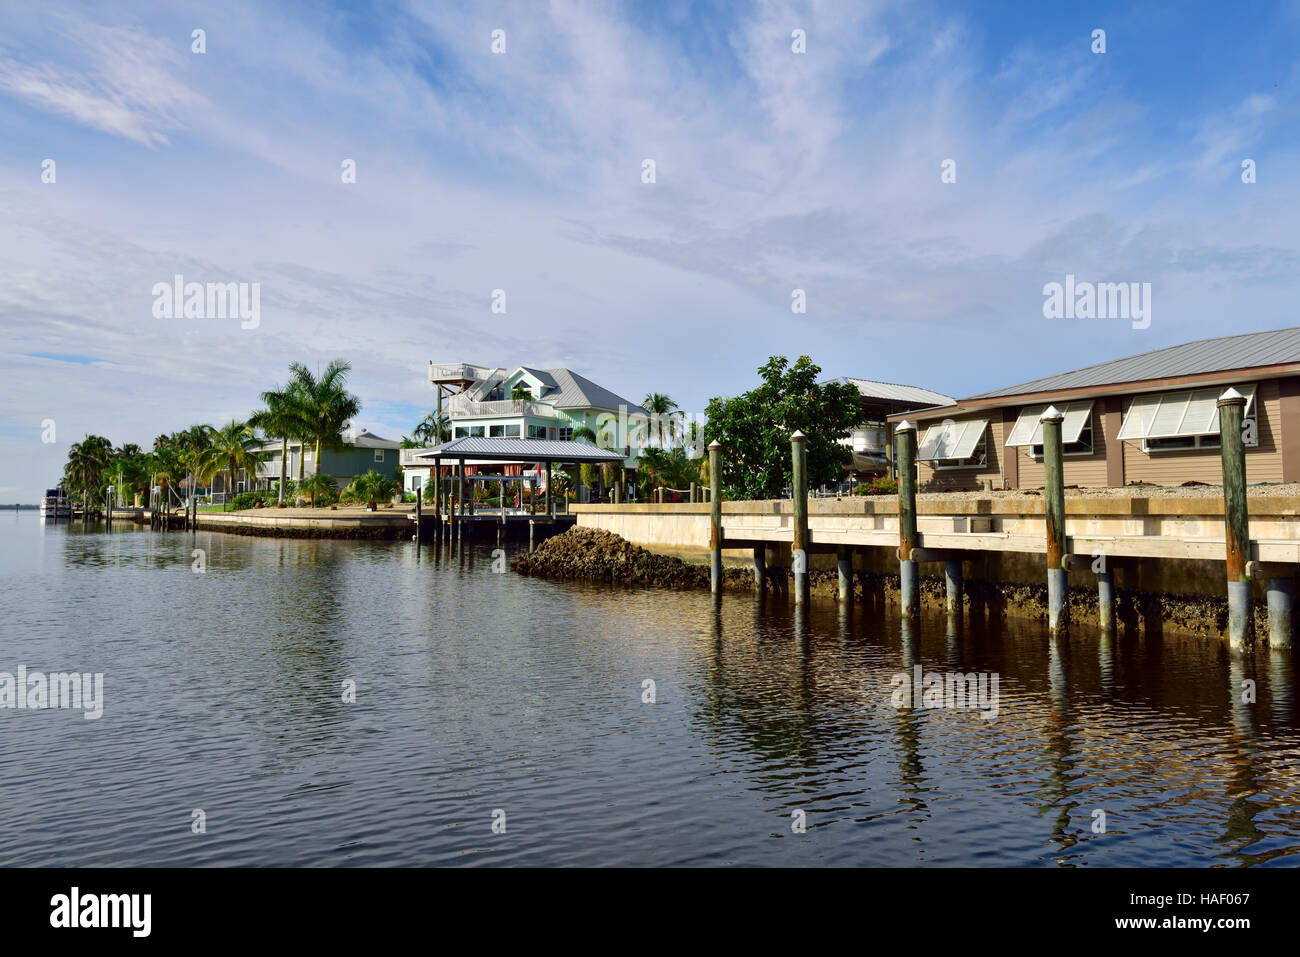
<point x="519" y="450"/>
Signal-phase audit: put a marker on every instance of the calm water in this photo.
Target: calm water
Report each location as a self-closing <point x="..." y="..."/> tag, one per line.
<point x="479" y="691"/>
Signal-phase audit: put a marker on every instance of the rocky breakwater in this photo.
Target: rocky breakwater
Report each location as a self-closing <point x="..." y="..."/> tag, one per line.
<point x="592" y="554"/>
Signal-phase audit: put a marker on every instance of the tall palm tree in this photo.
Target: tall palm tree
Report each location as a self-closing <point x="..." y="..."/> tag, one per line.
<point x="281" y="419"/>
<point x="233" y="448"/>
<point x="324" y="403"/>
<point x="84" y="471"/>
<point x="664" y="425"/>
<point x="434" y="429"/>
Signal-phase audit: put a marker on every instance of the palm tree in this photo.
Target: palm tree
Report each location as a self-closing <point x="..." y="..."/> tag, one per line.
<point x="434" y="429"/>
<point x="665" y="421"/>
<point x="233" y="448"/>
<point x="324" y="404"/>
<point x="84" y="471"/>
<point x="281" y="419"/>
<point x="521" y="393"/>
<point x="584" y="433"/>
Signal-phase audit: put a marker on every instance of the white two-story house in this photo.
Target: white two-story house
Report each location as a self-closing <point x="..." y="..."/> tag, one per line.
<point x="528" y="403"/>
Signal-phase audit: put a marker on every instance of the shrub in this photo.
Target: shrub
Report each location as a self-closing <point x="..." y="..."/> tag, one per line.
<point x="368" y="489"/>
<point x="319" y="489"/>
<point x="247" y="500"/>
<point x="881" y="485"/>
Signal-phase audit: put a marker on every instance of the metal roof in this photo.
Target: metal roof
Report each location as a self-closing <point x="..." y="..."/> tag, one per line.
<point x="1276" y="347"/>
<point x="892" y="392"/>
<point x="519" y="450"/>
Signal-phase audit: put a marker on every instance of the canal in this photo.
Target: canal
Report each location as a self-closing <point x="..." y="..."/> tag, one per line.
<point x="500" y="720"/>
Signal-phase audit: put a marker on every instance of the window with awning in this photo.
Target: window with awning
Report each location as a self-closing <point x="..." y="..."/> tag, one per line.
<point x="1186" y="413"/>
<point x="1028" y="429"/>
<point x="953" y="443"/>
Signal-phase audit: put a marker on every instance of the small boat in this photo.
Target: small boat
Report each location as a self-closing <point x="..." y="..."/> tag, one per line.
<point x="56" y="504"/>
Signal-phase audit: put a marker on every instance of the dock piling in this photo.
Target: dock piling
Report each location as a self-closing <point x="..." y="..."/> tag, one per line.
<point x="760" y="567"/>
<point x="1106" y="600"/>
<point x="1280" y="593"/>
<point x="1236" y="517"/>
<point x="715" y="517"/>
<point x="952" y="585"/>
<point x="905" y="452"/>
<point x="844" y="573"/>
<point x="1054" y="518"/>
<point x="799" y="483"/>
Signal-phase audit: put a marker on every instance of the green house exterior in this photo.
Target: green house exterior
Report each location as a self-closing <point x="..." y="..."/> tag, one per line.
<point x="364" y="451"/>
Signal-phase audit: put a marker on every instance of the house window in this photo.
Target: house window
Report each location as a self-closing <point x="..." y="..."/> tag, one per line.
<point x="476" y="431"/>
<point x="306" y="456"/>
<point x="1080" y="446"/>
<point x="512" y="432"/>
<point x="1183" y="419"/>
<point x="1076" y="428"/>
<point x="461" y="432"/>
<point x="955" y="445"/>
<point x="566" y="435"/>
<point x="379" y="455"/>
<point x="537" y="431"/>
<point x="496" y="431"/>
<point x="1177" y="443"/>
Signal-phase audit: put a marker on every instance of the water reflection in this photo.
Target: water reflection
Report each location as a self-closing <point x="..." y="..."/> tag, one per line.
<point x="477" y="690"/>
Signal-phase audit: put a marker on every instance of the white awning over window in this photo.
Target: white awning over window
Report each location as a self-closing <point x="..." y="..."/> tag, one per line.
<point x="951" y="440"/>
<point x="1028" y="429"/>
<point x="1167" y="415"/>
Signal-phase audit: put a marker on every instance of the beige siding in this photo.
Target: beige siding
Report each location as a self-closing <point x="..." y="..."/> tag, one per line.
<point x="931" y="479"/>
<point x="1081" y="470"/>
<point x="1263" y="464"/>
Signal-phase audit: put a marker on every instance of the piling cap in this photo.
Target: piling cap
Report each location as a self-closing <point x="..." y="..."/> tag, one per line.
<point x="797" y="436"/>
<point x="1051" y="414"/>
<point x="715" y="444"/>
<point x="1231" y="397"/>
<point x="905" y="426"/>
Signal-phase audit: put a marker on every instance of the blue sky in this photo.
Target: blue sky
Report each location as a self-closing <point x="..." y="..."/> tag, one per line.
<point x="775" y="171"/>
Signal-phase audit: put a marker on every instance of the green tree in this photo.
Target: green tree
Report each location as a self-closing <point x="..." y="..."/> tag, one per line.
<point x="755" y="429"/>
<point x="324" y="404"/>
<point x="433" y="429"/>
<point x="282" y="418"/>
<point x="233" y="448"/>
<point x="664" y="426"/>
<point x="521" y="393"/>
<point x="84" y="471"/>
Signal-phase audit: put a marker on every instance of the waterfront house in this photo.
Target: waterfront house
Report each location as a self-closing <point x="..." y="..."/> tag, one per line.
<point x="526" y="403"/>
<point x="1145" y="419"/>
<point x="870" y="441"/>
<point x="362" y="451"/>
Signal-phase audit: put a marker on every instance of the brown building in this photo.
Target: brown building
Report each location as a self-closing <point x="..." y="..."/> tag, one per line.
<point x="1150" y="418"/>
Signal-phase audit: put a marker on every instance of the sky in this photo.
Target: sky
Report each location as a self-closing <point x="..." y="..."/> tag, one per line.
<point x="524" y="171"/>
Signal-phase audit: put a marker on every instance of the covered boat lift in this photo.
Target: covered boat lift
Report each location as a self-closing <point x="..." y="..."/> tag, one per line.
<point x="478" y="450"/>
